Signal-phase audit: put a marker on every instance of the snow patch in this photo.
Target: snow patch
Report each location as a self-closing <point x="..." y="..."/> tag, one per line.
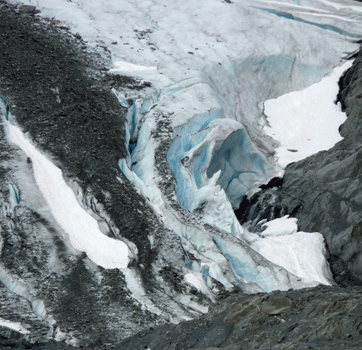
<point x="280" y="227"/>
<point x="301" y="253"/>
<point x="129" y="67"/>
<point x="14" y="325"/>
<point x="306" y="122"/>
<point x="82" y="228"/>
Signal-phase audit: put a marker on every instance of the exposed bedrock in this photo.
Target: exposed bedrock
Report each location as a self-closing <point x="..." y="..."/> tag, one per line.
<point x="321" y="318"/>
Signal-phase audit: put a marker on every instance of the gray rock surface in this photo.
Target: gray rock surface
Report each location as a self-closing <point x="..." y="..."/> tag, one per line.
<point x="29" y="9"/>
<point x="327" y="318"/>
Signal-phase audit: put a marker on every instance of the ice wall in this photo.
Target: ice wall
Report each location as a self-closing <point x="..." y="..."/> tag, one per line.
<point x="220" y="250"/>
<point x="209" y="145"/>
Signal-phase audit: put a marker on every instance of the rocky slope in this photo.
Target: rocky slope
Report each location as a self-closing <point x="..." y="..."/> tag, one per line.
<point x="319" y="318"/>
<point x="37" y="59"/>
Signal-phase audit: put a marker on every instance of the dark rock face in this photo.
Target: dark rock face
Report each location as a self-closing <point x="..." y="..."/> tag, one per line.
<point x="262" y="205"/>
<point x="319" y="318"/>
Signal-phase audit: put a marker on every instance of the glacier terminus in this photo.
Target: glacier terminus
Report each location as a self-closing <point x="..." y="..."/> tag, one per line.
<point x="132" y="135"/>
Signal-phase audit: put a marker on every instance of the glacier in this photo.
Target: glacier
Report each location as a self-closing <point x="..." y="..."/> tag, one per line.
<point x="210" y="89"/>
<point x="206" y="129"/>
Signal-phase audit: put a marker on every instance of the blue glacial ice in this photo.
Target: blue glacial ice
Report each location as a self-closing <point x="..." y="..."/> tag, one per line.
<point x="211" y="144"/>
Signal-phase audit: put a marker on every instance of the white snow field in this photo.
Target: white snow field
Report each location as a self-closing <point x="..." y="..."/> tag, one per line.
<point x="81" y="227"/>
<point x="213" y="65"/>
<point x="297" y="119"/>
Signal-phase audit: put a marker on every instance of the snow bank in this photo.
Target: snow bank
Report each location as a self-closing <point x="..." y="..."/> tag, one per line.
<point x="301" y="253"/>
<point x="306" y="122"/>
<point x="81" y="227"/>
<point x="14" y="325"/>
